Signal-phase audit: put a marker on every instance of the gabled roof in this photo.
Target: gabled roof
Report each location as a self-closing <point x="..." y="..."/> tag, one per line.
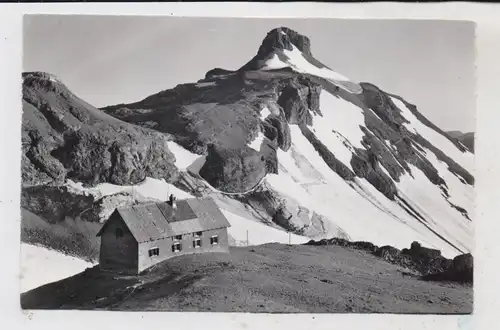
<point x="153" y="221"/>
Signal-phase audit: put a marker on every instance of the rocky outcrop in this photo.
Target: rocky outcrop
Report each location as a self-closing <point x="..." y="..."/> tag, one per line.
<point x="281" y="38"/>
<point x="289" y="213"/>
<point x="390" y="158"/>
<point x="233" y="170"/>
<point x="64" y="137"/>
<point x="299" y="100"/>
<point x="276" y="129"/>
<point x="293" y="100"/>
<point x="366" y="165"/>
<point x="283" y="218"/>
<point x="463" y="267"/>
<point x="38" y="138"/>
<point x="428" y="262"/>
<point x="268" y="150"/>
<point x="57" y="203"/>
<point x="217" y="73"/>
<point x="389" y="125"/>
<point x="461" y="270"/>
<point x="452" y="165"/>
<point x="384" y="108"/>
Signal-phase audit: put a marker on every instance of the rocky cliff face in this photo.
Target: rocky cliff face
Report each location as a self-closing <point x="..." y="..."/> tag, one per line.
<point x="299" y="144"/>
<point x="66" y="138"/>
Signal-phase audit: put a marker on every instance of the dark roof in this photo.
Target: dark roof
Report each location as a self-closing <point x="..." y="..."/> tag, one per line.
<point x="153" y="221"/>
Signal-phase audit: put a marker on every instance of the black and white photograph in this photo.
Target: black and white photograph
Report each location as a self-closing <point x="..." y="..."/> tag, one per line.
<point x="254" y="165"/>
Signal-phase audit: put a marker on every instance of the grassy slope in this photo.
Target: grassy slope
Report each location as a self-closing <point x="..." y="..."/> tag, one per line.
<point x="266" y="278"/>
<point x="71" y="237"/>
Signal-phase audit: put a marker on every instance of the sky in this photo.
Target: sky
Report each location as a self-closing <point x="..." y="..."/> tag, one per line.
<point x="107" y="60"/>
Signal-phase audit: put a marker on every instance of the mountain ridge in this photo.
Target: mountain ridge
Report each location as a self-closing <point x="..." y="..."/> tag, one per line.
<point x="466" y="139"/>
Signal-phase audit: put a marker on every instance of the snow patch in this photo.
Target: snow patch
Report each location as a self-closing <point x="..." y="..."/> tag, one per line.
<point x="264" y="113"/>
<point x="429" y="202"/>
<point x="297" y="60"/>
<point x="274" y="63"/>
<point x="196" y="166"/>
<point x="186" y="160"/>
<point x="339" y="126"/>
<point x="258" y="233"/>
<point x="183" y="157"/>
<point x="40" y="266"/>
<point x="299" y="63"/>
<point x="149" y="188"/>
<point x="257" y="142"/>
<point x="358" y="208"/>
<point x="206" y="84"/>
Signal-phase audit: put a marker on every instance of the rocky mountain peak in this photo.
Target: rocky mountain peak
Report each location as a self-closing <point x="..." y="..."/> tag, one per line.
<point x="279" y="39"/>
<point x="283" y="38"/>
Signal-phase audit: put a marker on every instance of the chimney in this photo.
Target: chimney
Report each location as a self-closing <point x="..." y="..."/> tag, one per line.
<point x="171" y="201"/>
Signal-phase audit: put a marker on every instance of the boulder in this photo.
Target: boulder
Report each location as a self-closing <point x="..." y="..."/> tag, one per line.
<point x="277" y="129"/>
<point x="233" y="170"/>
<point x="388" y="253"/>
<point x="463" y="262"/>
<point x="294" y="101"/>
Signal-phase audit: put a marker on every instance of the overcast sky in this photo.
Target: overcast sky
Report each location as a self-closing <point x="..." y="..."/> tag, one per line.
<point x="111" y="59"/>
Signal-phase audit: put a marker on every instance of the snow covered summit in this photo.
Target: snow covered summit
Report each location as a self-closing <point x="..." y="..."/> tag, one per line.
<point x="285" y="48"/>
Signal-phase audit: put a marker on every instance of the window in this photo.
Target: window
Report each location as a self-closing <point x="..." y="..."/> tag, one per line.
<point x="176" y="247"/>
<point x="214" y="240"/>
<point x="197" y="234"/>
<point x="178" y="237"/>
<point x="154" y="252"/>
<point x="197" y="243"/>
<point x="118" y="232"/>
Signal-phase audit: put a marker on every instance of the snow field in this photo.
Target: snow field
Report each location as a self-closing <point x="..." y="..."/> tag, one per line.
<point x="183" y="157"/>
<point x="40" y="266"/>
<point x="369" y="217"/>
<point x="343" y="117"/>
<point x="428" y="200"/>
<point x="299" y="63"/>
